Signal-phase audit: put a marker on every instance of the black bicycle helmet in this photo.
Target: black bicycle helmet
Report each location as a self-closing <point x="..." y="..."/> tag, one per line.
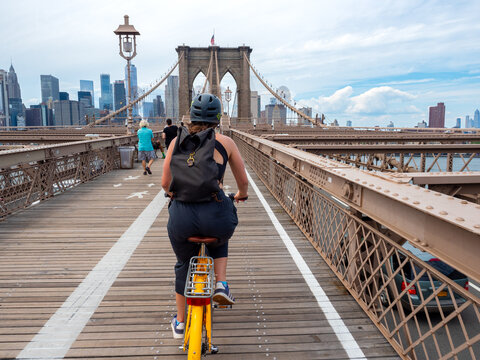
<point x="206" y="108"/>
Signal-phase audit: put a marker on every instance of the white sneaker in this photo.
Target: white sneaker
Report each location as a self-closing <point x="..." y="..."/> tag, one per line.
<point x="178" y="328"/>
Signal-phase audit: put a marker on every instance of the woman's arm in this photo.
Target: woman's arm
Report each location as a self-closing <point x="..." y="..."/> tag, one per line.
<point x="167" y="174"/>
<point x="238" y="168"/>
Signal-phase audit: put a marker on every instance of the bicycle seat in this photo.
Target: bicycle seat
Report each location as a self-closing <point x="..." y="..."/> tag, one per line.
<point x="202" y="239"/>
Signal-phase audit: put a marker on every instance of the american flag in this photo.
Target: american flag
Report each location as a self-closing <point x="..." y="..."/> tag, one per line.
<point x="212" y="40"/>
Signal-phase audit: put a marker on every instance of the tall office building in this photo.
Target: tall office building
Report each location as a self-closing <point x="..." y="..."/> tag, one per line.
<point x="436" y="116"/>
<point x="50" y="88"/>
<point x="171" y="97"/>
<point x="4" y="113"/>
<point x="276" y="114"/>
<point x="85" y="97"/>
<point x="476" y="119"/>
<point x="458" y="124"/>
<point x="106" y="98"/>
<point x="13" y="87"/>
<point x="16" y="108"/>
<point x="255" y="103"/>
<point x="158" y="107"/>
<point x="147" y="109"/>
<point x="120" y="99"/>
<point x="133" y="77"/>
<point x="467" y="122"/>
<point x="87" y="85"/>
<point x="349" y="123"/>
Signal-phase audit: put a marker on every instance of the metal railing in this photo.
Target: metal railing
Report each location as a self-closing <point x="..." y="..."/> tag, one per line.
<point x="421" y="311"/>
<point x="31" y="175"/>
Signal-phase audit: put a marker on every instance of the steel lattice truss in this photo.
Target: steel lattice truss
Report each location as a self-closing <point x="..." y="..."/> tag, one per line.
<point x="361" y="252"/>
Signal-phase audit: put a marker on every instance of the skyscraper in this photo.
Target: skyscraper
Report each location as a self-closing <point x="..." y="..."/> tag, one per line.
<point x="307" y="111"/>
<point x="13" y="87"/>
<point x="158" y="107"/>
<point x="50" y="88"/>
<point x="120" y="99"/>
<point x="458" y="125"/>
<point x="436" y="116"/>
<point x="4" y="113"/>
<point x="147" y="109"/>
<point x="133" y="77"/>
<point x="171" y="97"/>
<point x="254" y="105"/>
<point x="69" y="112"/>
<point x="467" y="122"/>
<point x="106" y="98"/>
<point x="85" y="97"/>
<point x="476" y="119"/>
<point x="16" y="108"/>
<point x="87" y="85"/>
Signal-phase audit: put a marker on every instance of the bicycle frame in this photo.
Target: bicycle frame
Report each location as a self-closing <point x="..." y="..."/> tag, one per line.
<point x="198" y="292"/>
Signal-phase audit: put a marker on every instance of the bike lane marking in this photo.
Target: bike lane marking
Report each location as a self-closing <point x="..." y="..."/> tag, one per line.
<point x="334" y="320"/>
<point x="62" y="329"/>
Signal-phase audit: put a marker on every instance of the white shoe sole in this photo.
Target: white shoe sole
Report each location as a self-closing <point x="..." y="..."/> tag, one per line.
<point x="222" y="299"/>
<point x="175" y="335"/>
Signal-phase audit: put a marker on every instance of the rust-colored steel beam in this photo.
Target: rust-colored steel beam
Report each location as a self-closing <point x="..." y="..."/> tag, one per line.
<point x="390" y="148"/>
<point x="10" y="158"/>
<point x="447" y="227"/>
<point x="363" y="137"/>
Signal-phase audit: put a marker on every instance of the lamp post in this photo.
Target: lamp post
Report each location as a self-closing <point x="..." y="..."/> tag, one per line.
<point x="228" y="97"/>
<point x="126" y="33"/>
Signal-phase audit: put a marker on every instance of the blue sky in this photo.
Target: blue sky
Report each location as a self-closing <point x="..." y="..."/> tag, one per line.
<point x="371" y="62"/>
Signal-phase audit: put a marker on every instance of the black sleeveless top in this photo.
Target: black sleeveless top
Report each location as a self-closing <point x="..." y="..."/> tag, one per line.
<point x="221" y="167"/>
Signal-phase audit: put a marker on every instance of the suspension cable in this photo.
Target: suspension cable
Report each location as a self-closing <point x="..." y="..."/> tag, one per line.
<point x="299" y="113"/>
<point x="219" y="90"/>
<point x="208" y="73"/>
<point x="133" y="103"/>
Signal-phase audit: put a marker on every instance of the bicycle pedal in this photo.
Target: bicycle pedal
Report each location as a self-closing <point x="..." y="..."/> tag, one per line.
<point x="220" y="306"/>
<point x="214" y="349"/>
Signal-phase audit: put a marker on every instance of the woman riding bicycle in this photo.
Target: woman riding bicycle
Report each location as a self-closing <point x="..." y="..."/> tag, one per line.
<point x="216" y="218"/>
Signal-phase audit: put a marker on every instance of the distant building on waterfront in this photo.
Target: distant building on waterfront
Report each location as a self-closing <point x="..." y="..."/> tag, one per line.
<point x="63" y="95"/>
<point x="106" y="98"/>
<point x="171" y="97"/>
<point x="4" y="113"/>
<point x="458" y="123"/>
<point x="15" y="106"/>
<point x="50" y="88"/>
<point x="87" y="85"/>
<point x="133" y="77"/>
<point x="13" y="87"/>
<point x="349" y="123"/>
<point x="436" y="116"/>
<point x="120" y="99"/>
<point x="158" y="107"/>
<point x="68" y="112"/>
<point x="476" y="119"/>
<point x="391" y="124"/>
<point x="421" y="124"/>
<point x="307" y="111"/>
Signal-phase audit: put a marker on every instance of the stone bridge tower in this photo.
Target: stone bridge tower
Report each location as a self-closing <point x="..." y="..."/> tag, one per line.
<point x="197" y="59"/>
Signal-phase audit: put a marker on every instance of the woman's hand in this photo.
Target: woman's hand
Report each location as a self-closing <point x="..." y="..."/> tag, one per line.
<point x="240" y="196"/>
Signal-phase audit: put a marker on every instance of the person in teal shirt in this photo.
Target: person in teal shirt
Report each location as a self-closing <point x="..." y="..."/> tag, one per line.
<point x="146" y="153"/>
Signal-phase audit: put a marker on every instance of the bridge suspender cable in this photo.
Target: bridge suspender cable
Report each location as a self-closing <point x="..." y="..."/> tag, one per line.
<point x="209" y="71"/>
<point x="115" y="113"/>
<point x="219" y="90"/>
<point x="299" y="113"/>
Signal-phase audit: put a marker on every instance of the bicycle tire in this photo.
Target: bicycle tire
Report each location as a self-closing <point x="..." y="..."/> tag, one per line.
<point x="196" y="331"/>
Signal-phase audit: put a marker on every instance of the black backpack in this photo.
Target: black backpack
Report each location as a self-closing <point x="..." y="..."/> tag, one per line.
<point x="194" y="170"/>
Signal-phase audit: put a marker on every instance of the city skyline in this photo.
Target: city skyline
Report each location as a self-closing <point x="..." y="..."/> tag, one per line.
<point x="366" y="62"/>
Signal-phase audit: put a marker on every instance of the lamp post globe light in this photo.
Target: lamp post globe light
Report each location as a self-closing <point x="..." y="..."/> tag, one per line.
<point x="228" y="97"/>
<point x="128" y="50"/>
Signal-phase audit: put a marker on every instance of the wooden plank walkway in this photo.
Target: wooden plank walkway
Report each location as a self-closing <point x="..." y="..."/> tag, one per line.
<point x="47" y="250"/>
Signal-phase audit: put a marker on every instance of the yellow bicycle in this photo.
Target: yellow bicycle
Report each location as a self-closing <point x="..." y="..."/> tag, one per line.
<point x="198" y="292"/>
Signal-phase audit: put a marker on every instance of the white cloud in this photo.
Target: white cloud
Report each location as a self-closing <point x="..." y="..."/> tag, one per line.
<point x="379" y="101"/>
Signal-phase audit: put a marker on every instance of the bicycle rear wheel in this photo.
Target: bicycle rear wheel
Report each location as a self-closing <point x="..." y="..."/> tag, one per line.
<point x="195" y="333"/>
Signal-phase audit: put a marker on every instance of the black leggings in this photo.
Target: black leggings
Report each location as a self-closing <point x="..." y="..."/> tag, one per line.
<point x="214" y="219"/>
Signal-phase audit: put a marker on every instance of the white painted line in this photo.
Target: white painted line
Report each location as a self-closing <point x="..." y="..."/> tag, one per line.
<point x="334" y="319"/>
<point x="59" y="333"/>
<point x="117" y="185"/>
<point x="130" y="177"/>
<point x="473" y="285"/>
<point x="137" y="194"/>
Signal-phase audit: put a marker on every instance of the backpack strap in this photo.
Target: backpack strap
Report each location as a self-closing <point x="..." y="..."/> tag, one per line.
<point x="221" y="167"/>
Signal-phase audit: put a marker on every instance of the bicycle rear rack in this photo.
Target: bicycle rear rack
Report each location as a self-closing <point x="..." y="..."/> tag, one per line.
<point x="200" y="278"/>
